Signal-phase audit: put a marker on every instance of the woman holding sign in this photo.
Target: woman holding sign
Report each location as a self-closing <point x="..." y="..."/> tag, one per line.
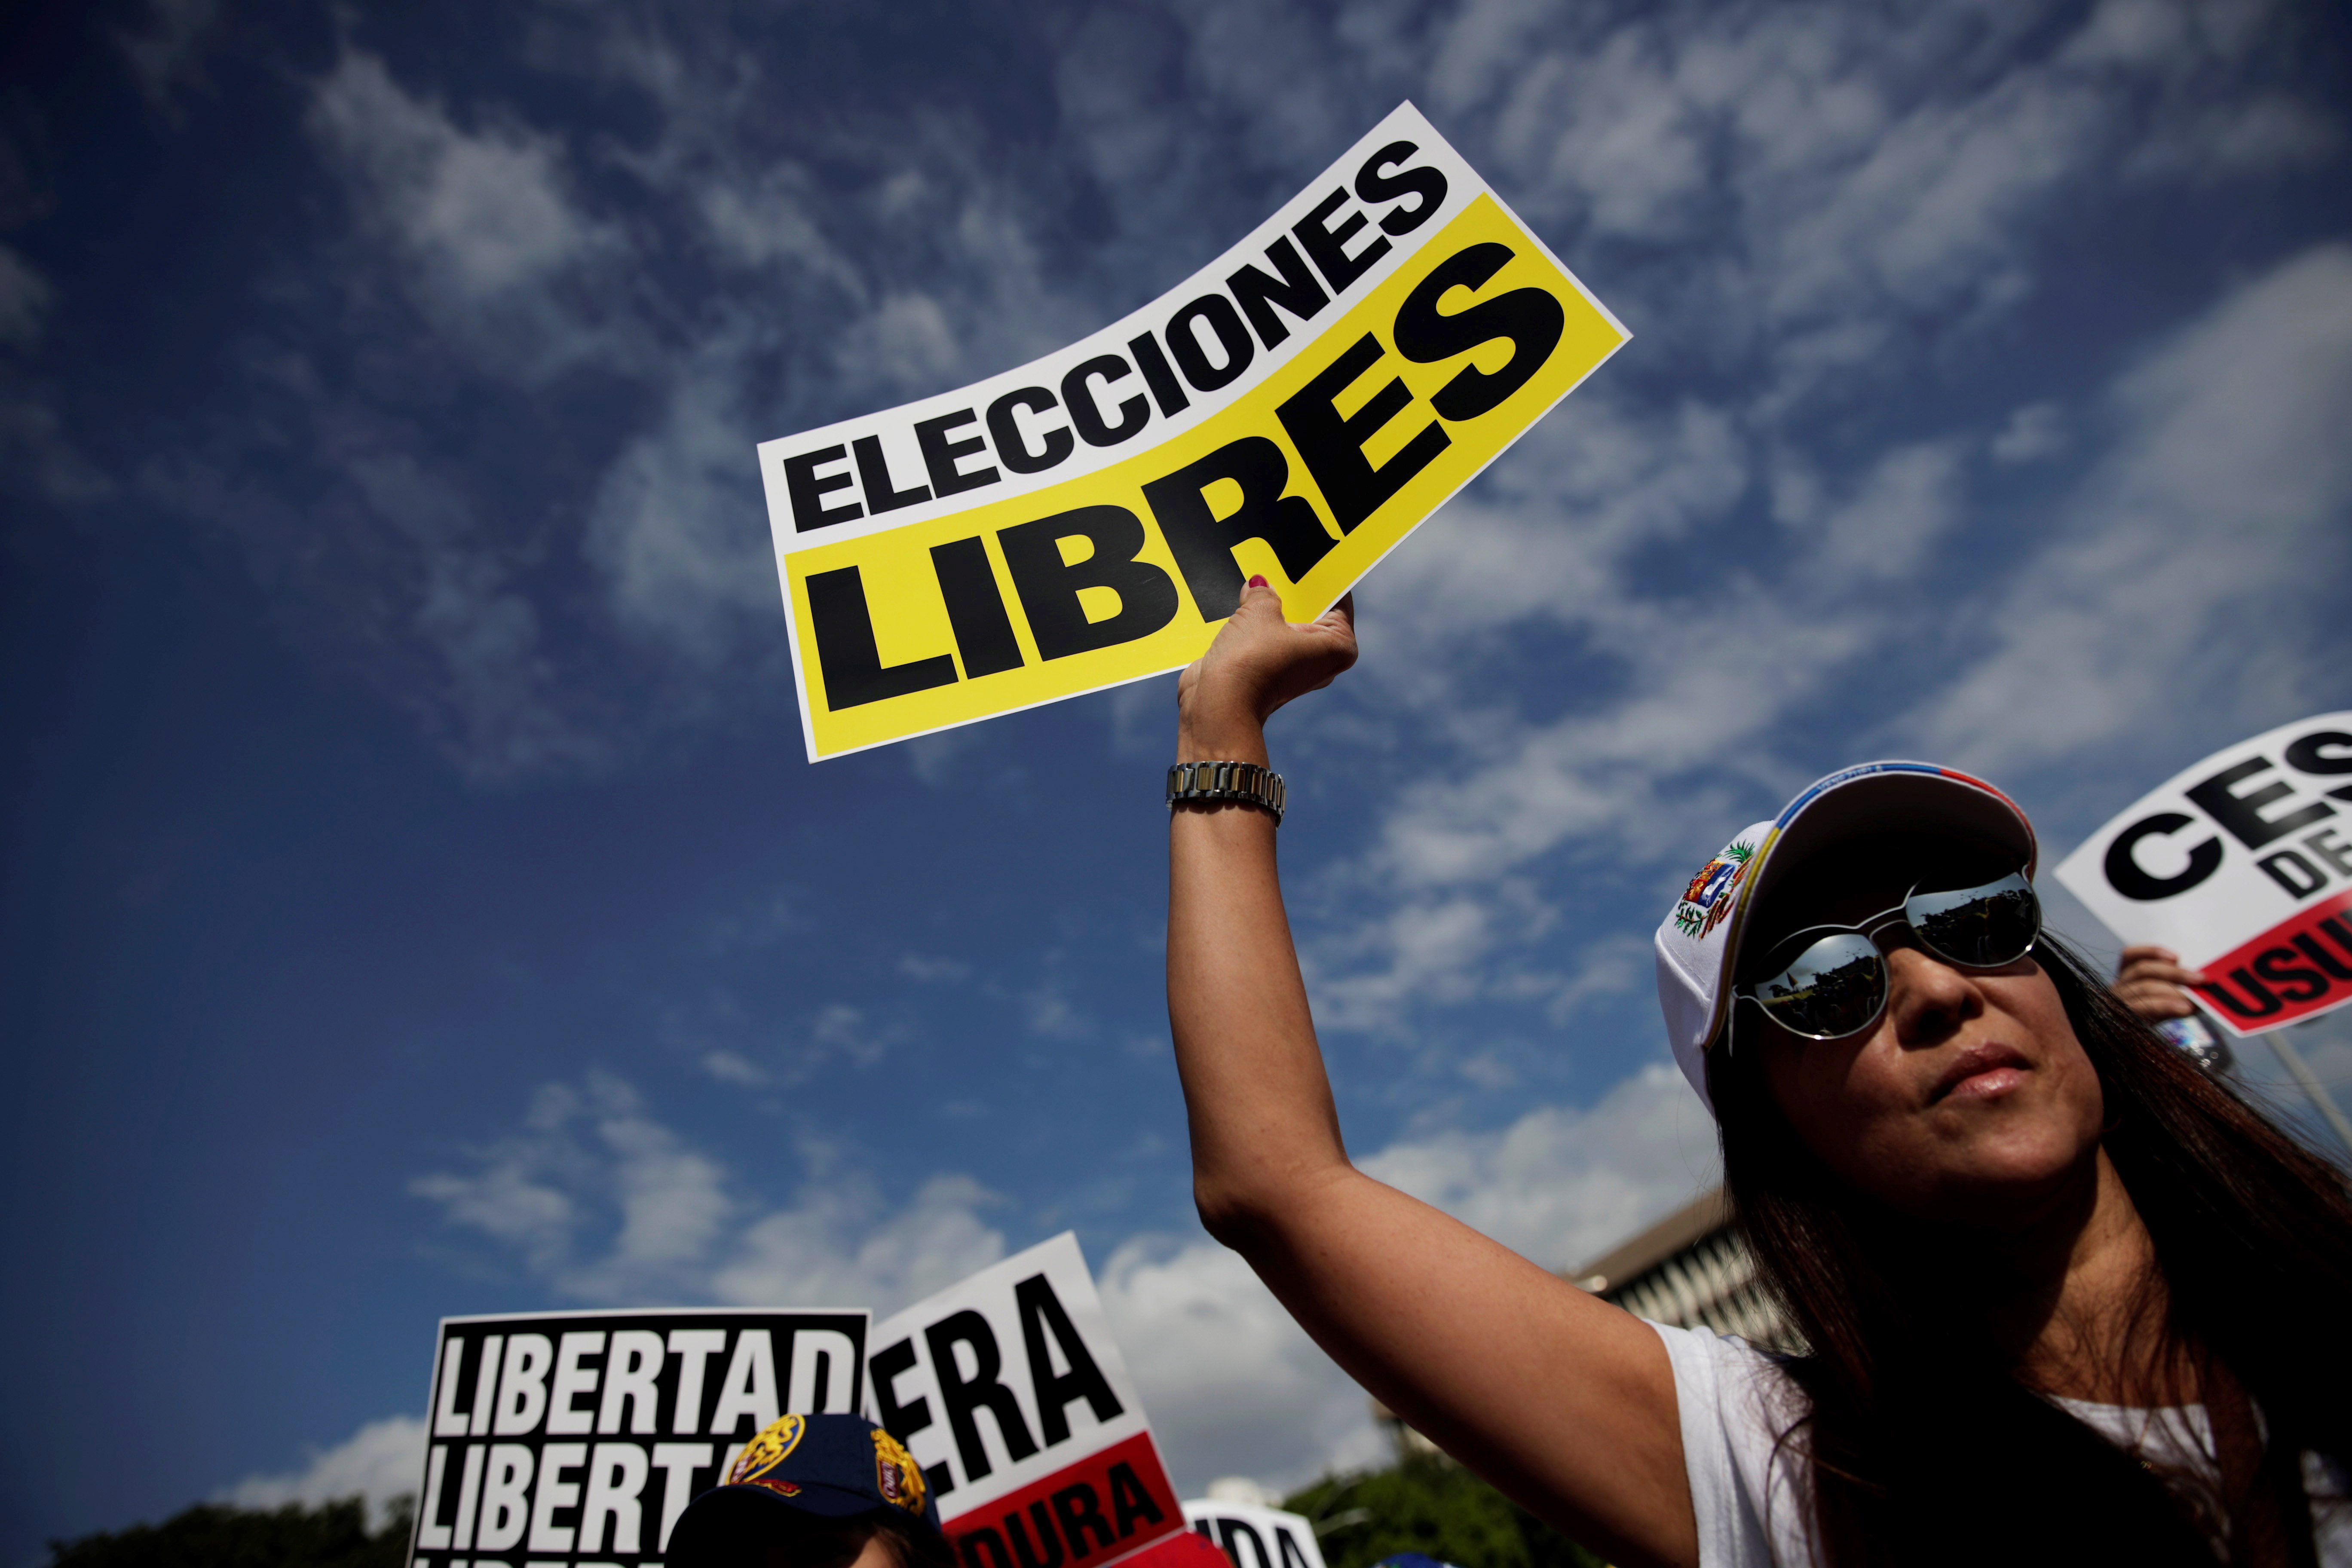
<point x="2067" y="1299"/>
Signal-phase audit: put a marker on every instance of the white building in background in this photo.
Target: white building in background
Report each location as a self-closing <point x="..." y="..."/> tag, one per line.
<point x="1691" y="1269"/>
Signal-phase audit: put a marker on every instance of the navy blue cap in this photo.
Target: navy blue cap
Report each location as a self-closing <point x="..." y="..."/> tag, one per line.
<point x="836" y="1466"/>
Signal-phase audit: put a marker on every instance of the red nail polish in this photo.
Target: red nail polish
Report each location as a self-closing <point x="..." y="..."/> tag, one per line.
<point x="1256" y="582"/>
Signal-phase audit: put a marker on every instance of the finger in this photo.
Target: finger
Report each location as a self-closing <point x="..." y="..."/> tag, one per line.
<point x="2149" y="970"/>
<point x="2154" y="1002"/>
<point x="2153" y="990"/>
<point x="2142" y="951"/>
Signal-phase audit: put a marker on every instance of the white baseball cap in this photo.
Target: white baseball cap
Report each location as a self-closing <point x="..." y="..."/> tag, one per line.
<point x="1699" y="941"/>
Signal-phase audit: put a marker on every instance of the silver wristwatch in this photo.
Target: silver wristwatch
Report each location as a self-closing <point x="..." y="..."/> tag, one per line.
<point x="1243" y="782"/>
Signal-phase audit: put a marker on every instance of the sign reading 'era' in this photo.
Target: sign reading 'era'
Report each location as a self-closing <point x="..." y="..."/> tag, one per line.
<point x="1012" y="1394"/>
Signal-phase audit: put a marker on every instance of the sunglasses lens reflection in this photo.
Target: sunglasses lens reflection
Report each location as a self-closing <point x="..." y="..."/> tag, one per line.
<point x="1983" y="928"/>
<point x="1835" y="987"/>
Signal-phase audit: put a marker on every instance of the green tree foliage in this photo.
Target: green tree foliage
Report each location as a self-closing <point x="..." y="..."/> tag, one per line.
<point x="1434" y="1507"/>
<point x="209" y="1535"/>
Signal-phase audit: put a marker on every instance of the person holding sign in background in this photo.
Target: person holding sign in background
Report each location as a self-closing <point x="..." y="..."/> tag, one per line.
<point x="2067" y="1298"/>
<point x="815" y="1491"/>
<point x="2150" y="981"/>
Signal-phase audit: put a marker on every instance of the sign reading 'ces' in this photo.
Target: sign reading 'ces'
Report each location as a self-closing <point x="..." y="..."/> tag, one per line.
<point x="2244" y="866"/>
<point x="1293" y="410"/>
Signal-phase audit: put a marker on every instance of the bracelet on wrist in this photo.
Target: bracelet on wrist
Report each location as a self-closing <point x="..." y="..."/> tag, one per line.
<point x="1246" y="784"/>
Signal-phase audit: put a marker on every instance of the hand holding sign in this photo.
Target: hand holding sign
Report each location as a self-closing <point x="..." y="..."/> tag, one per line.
<point x="1258" y="662"/>
<point x="2148" y="980"/>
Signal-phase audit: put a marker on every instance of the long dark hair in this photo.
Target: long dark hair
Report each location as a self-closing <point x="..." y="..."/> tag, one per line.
<point x="1925" y="1446"/>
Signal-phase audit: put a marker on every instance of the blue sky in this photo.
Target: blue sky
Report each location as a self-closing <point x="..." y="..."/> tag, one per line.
<point x="416" y="900"/>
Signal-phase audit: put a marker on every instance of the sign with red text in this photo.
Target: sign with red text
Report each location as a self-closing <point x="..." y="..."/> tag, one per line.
<point x="2242" y="865"/>
<point x="579" y="1438"/>
<point x="1255" y="1537"/>
<point x="1292" y="410"/>
<point x="1012" y="1396"/>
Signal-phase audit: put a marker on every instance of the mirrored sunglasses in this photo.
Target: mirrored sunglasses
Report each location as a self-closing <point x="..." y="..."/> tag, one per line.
<point x="1837" y="984"/>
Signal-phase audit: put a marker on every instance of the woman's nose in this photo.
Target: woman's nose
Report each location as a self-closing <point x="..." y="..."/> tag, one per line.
<point x="1929" y="999"/>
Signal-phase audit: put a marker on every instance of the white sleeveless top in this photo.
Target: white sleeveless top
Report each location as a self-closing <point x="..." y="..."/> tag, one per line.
<point x="1755" y="1504"/>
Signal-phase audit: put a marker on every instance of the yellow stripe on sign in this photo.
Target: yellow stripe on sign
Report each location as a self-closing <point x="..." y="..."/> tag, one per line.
<point x="1127" y="572"/>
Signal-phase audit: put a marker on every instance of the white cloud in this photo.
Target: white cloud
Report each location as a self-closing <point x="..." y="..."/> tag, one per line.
<point x="37" y="455"/>
<point x="382" y="1460"/>
<point x="168" y="52"/>
<point x="2035" y="431"/>
<point x="494" y="699"/>
<point x="905" y="345"/>
<point x="2196" y="560"/>
<point x="486" y="211"/>
<point x="768" y="221"/>
<point x="843" y="1245"/>
<point x="1562" y="1186"/>
<point x="485" y="219"/>
<point x="1234" y="1385"/>
<point x="1426" y="950"/>
<point x="1907" y="500"/>
<point x="607" y="1204"/>
<point x="763" y="923"/>
<point x="728" y="1067"/>
<point x="1840" y="186"/>
<point x="678" y="525"/>
<point x="25" y="298"/>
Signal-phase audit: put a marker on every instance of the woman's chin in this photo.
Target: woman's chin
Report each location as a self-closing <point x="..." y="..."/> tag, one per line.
<point x="2002" y="1176"/>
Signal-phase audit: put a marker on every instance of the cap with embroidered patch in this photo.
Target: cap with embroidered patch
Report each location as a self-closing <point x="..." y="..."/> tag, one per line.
<point x="1699" y="941"/>
<point x="836" y="1466"/>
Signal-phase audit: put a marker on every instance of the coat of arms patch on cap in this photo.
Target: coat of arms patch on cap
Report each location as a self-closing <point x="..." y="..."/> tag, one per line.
<point x="896" y="1475"/>
<point x="772" y="1447"/>
<point x="1709" y="896"/>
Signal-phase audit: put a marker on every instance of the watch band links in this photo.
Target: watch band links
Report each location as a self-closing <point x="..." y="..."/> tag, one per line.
<point x="1243" y="782"/>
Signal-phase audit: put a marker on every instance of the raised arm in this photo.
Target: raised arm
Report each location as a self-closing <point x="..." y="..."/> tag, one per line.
<point x="1564" y="1401"/>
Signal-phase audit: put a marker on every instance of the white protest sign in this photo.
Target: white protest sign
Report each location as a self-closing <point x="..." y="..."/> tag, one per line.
<point x="1011" y="1394"/>
<point x="1256" y="1537"/>
<point x="2242" y="865"/>
<point x="579" y="1438"/>
<point x="1292" y="410"/>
